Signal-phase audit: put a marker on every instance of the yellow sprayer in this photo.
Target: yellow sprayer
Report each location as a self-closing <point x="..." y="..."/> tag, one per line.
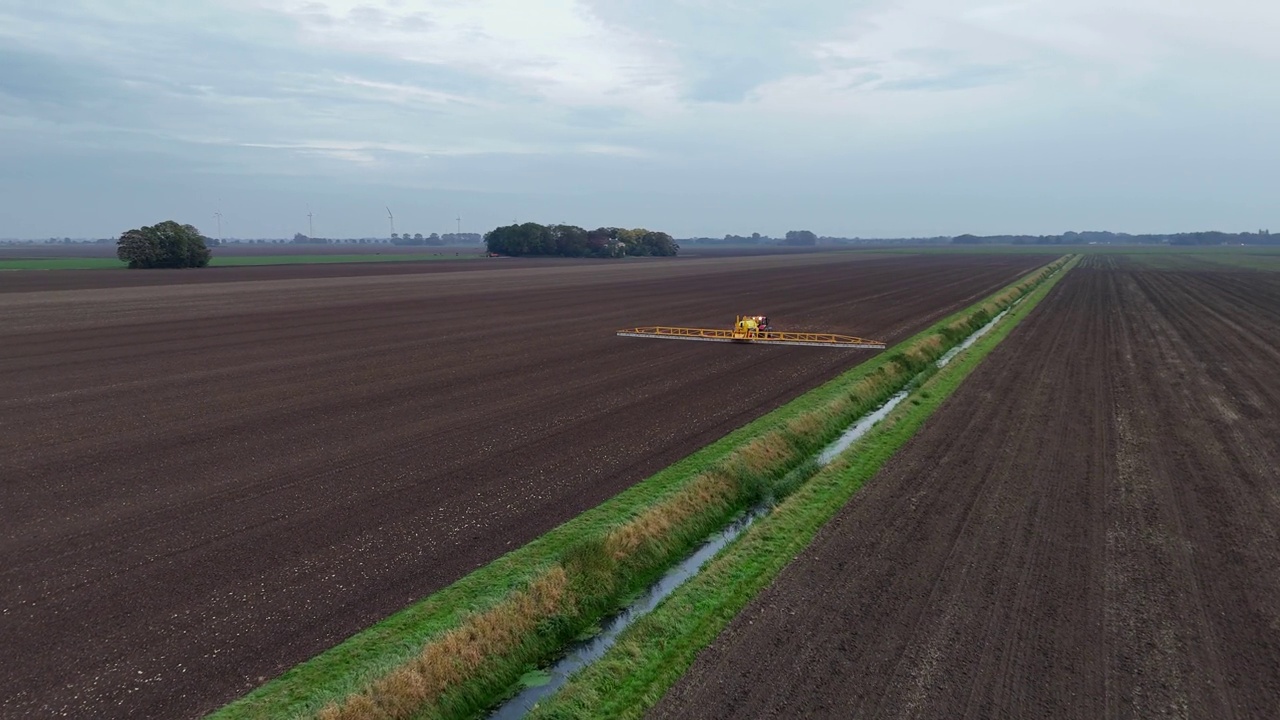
<point x="757" y="330"/>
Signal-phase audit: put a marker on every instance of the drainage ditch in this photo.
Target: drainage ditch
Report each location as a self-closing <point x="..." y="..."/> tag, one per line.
<point x="543" y="683"/>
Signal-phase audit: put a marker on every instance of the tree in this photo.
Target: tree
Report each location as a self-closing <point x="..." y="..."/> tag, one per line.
<point x="164" y="245"/>
<point x="652" y="242"/>
<point x="573" y="241"/>
<point x="800" y="237"/>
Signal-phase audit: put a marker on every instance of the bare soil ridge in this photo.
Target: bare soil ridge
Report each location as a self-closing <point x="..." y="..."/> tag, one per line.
<point x="1087" y="528"/>
<point x="208" y="484"/>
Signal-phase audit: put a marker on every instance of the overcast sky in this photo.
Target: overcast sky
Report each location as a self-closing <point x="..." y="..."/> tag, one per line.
<point x="699" y="117"/>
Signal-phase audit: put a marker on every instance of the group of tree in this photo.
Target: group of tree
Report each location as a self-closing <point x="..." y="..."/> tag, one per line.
<point x="807" y="238"/>
<point x="800" y="238"/>
<point x="572" y="241"/>
<point x="451" y="239"/>
<point x="163" y="245"/>
<point x="752" y="239"/>
<point x="301" y="239"/>
<point x="416" y="239"/>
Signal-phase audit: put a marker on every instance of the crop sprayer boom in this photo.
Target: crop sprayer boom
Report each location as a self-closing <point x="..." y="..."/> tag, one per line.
<point x="754" y="329"/>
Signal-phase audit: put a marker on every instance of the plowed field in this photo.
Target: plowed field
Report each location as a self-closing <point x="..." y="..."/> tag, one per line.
<point x="1088" y="528"/>
<point x="205" y="483"/>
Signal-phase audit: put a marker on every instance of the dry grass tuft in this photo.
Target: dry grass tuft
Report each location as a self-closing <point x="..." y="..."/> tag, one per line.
<point x="713" y="488"/>
<point x="807" y="424"/>
<point x="926" y="351"/>
<point x="456" y="655"/>
<point x="762" y="455"/>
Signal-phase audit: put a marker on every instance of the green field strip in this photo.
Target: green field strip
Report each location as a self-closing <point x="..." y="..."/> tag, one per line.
<point x="1230" y="254"/>
<point x="651" y="655"/>
<point x="247" y="260"/>
<point x="356" y="663"/>
<point x="230" y="261"/>
<point x="1238" y="260"/>
<point x="70" y="263"/>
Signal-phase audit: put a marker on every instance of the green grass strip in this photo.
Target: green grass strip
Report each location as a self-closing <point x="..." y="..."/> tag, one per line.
<point x="1222" y="253"/>
<point x="358" y="662"/>
<point x="1264" y="261"/>
<point x="69" y="263"/>
<point x="652" y="654"/>
<point x="244" y="260"/>
<point x="74" y="263"/>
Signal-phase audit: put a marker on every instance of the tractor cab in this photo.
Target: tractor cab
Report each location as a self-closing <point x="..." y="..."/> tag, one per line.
<point x="747" y="327"/>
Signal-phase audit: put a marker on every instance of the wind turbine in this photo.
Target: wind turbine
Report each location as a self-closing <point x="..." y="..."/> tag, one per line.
<point x="392" y="218"/>
<point x="311" y="228"/>
<point x="218" y="214"/>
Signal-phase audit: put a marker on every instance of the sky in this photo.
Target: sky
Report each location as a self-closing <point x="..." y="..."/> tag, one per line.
<point x="853" y="118"/>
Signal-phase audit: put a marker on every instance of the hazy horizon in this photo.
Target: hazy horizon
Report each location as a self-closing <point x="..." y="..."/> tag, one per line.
<point x="884" y="118"/>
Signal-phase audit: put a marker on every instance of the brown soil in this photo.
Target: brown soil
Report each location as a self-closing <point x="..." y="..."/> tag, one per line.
<point x="206" y="484"/>
<point x="455" y="260"/>
<point x="23" y="281"/>
<point x="1088" y="528"/>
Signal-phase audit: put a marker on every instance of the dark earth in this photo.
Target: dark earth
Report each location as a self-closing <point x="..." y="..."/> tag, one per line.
<point x="1088" y="528"/>
<point x="209" y="480"/>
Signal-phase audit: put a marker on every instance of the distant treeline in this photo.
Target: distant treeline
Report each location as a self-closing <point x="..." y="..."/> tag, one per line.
<point x="573" y="241"/>
<point x="433" y="239"/>
<point x="436" y="240"/>
<point x="1262" y="237"/>
<point x="806" y="238"/>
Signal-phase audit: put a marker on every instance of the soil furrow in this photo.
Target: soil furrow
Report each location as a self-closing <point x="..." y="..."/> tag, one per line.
<point x="1087" y="528"/>
<point x="207" y="483"/>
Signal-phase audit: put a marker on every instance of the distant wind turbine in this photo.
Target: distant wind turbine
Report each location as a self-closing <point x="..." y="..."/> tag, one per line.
<point x="392" y="218"/>
<point x="311" y="228"/>
<point x="218" y="214"/>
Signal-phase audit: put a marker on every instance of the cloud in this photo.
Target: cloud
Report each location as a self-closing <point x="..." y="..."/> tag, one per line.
<point x="554" y="50"/>
<point x="752" y="99"/>
<point x="725" y="48"/>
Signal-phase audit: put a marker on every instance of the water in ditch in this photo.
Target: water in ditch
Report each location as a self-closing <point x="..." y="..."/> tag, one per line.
<point x="584" y="653"/>
<point x="948" y="355"/>
<point x="864" y="425"/>
<point x="860" y="428"/>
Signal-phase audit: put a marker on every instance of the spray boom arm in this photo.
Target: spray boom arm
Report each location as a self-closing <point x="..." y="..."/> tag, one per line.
<point x="754" y="329"/>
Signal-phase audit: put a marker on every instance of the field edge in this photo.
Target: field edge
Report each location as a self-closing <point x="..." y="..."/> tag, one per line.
<point x="651" y="655"/>
<point x="354" y="663"/>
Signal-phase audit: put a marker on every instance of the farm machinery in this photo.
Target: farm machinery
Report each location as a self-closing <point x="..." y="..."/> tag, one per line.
<point x="754" y="329"/>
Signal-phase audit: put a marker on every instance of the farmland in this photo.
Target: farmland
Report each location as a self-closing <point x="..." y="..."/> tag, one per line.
<point x="1087" y="528"/>
<point x="208" y="481"/>
<point x="83" y="256"/>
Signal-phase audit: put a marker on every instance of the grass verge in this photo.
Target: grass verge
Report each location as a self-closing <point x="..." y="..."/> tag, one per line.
<point x="654" y="652"/>
<point x="73" y="263"/>
<point x="465" y="647"/>
<point x="243" y="260"/>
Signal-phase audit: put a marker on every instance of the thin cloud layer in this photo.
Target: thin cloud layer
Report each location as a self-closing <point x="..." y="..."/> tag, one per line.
<point x="875" y="118"/>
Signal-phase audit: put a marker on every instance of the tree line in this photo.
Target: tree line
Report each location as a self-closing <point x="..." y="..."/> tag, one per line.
<point x="572" y="241"/>
<point x="436" y="240"/>
<point x="793" y="238"/>
<point x="1212" y="237"/>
